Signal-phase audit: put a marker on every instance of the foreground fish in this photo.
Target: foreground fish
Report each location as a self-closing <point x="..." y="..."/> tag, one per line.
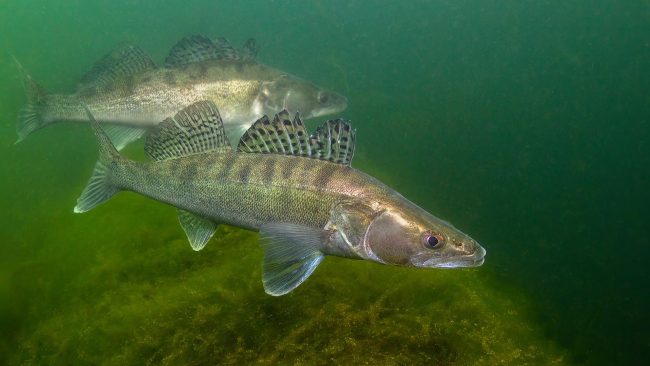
<point x="127" y="90"/>
<point x="298" y="191"/>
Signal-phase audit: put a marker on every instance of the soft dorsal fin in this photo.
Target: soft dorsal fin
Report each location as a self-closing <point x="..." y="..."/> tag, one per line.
<point x="121" y="63"/>
<point x="198" y="48"/>
<point x="333" y="141"/>
<point x="195" y="129"/>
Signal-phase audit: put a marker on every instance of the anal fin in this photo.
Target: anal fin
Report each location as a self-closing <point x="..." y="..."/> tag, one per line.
<point x="291" y="254"/>
<point x="198" y="229"/>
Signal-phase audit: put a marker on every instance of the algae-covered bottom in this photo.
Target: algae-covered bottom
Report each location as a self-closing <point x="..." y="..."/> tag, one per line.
<point x="135" y="293"/>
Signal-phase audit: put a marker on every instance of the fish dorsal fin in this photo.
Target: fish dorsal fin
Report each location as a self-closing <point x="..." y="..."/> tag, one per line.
<point x="281" y="136"/>
<point x="333" y="141"/>
<point x="195" y="129"/>
<point x="119" y="64"/>
<point x="198" y="48"/>
<point x="250" y="50"/>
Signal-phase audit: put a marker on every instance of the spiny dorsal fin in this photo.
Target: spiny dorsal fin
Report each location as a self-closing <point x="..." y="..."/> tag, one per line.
<point x="198" y="48"/>
<point x="121" y="63"/>
<point x="195" y="129"/>
<point x="334" y="141"/>
<point x="281" y="136"/>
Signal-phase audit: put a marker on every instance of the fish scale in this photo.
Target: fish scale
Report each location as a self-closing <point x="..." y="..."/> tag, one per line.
<point x="126" y="90"/>
<point x="304" y="204"/>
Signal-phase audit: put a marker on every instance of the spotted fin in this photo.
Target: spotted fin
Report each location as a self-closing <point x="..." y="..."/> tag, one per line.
<point x="291" y="254"/>
<point x="198" y="48"/>
<point x="333" y="141"/>
<point x="198" y="229"/>
<point x="250" y="50"/>
<point x="119" y="64"/>
<point x="195" y="129"/>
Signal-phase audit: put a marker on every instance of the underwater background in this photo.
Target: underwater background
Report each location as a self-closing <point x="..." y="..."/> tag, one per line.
<point x="526" y="124"/>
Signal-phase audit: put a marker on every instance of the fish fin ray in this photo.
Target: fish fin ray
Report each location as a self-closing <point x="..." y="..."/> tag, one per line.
<point x="249" y="50"/>
<point x="123" y="135"/>
<point x="199" y="48"/>
<point x="100" y="187"/>
<point x="334" y="141"/>
<point x="30" y="117"/>
<point x="195" y="129"/>
<point x="198" y="229"/>
<point x="291" y="254"/>
<point x="121" y="63"/>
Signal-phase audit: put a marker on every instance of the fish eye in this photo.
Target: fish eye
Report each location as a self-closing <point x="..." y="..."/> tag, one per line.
<point x="433" y="241"/>
<point x="323" y="97"/>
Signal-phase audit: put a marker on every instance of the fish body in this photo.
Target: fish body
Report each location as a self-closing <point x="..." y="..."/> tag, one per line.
<point x="249" y="190"/>
<point x="127" y="90"/>
<point x="298" y="191"/>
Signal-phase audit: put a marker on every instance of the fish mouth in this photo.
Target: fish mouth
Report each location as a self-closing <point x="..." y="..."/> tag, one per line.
<point x="340" y="105"/>
<point x="467" y="261"/>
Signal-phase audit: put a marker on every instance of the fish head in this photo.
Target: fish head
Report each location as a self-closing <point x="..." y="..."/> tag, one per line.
<point x="297" y="95"/>
<point x="404" y="234"/>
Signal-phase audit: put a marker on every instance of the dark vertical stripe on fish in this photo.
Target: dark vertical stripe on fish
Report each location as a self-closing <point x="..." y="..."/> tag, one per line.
<point x="324" y="175"/>
<point x="227" y="167"/>
<point x="244" y="173"/>
<point x="286" y="170"/>
<point x="269" y="171"/>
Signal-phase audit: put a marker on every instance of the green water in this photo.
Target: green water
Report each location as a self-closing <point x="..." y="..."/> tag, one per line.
<point x="526" y="124"/>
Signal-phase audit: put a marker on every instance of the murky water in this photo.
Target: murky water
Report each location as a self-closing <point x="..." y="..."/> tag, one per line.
<point x="525" y="124"/>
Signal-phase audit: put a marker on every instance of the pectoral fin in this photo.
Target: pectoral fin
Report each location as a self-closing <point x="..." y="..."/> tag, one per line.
<point x="198" y="229"/>
<point x="291" y="254"/>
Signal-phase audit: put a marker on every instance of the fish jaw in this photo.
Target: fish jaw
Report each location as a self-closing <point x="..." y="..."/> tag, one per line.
<point x="339" y="105"/>
<point x="471" y="260"/>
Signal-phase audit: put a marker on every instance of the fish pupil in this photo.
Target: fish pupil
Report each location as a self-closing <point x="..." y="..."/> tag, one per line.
<point x="432" y="240"/>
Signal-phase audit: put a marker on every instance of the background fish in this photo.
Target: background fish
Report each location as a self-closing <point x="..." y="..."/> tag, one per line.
<point x="298" y="190"/>
<point x="127" y="90"/>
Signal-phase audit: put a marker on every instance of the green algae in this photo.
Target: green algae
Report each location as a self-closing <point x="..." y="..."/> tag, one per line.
<point x="121" y="285"/>
<point x="523" y="123"/>
<point x="142" y="296"/>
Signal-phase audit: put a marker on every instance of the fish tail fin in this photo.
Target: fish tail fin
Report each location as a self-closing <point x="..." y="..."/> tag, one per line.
<point x="101" y="185"/>
<point x="30" y="117"/>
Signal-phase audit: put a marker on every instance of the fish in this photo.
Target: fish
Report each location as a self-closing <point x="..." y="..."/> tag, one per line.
<point x="130" y="94"/>
<point x="298" y="190"/>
